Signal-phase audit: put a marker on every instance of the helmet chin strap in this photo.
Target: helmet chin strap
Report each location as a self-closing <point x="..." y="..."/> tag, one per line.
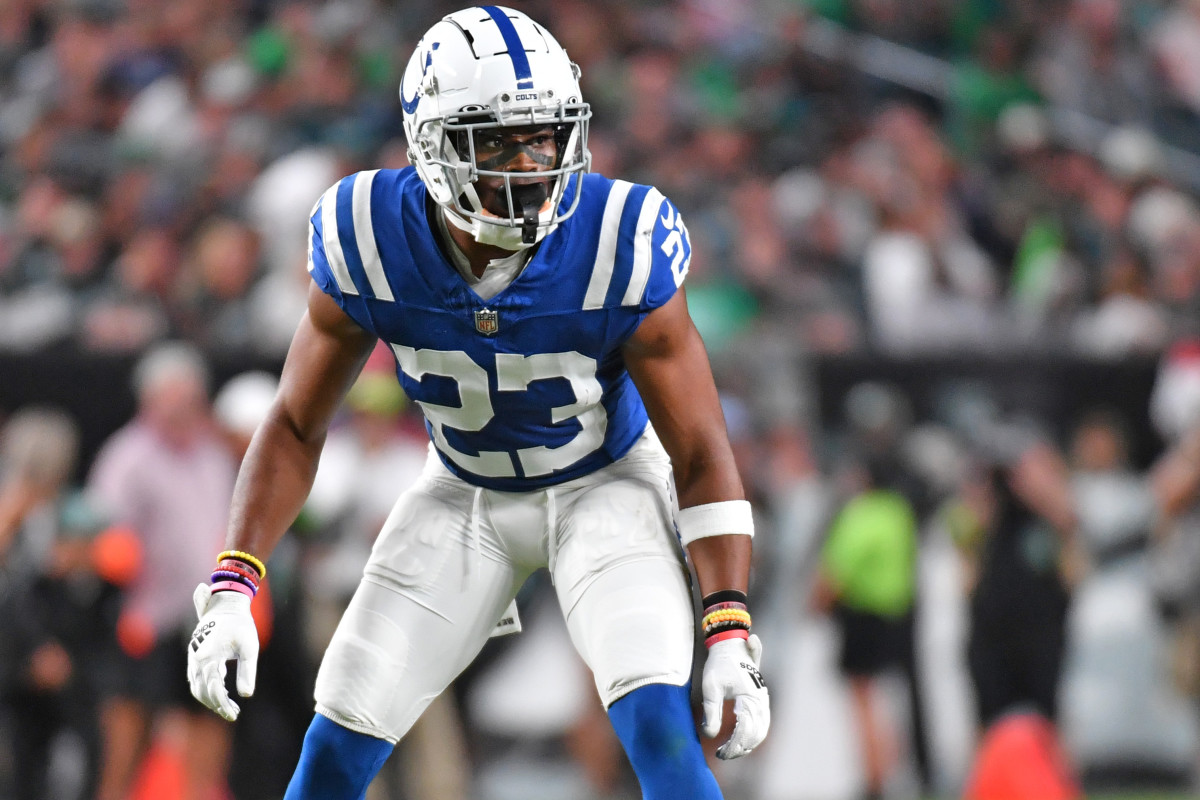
<point x="503" y="236"/>
<point x="530" y="198"/>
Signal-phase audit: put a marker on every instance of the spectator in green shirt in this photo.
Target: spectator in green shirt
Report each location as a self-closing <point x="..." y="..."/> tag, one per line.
<point x="867" y="581"/>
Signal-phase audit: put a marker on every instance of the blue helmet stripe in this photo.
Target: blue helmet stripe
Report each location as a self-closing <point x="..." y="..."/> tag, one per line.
<point x="516" y="49"/>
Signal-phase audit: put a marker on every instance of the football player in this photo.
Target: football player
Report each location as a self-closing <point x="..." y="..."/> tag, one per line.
<point x="537" y="315"/>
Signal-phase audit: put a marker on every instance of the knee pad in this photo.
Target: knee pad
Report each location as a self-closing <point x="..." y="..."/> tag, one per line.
<point x="657" y="730"/>
<point x="336" y="763"/>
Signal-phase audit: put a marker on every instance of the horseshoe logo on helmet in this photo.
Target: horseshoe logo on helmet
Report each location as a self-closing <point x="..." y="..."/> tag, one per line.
<point x="410" y="106"/>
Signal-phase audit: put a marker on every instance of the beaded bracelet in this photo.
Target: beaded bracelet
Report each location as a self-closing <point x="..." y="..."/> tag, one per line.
<point x="241" y="555"/>
<point x="240" y="568"/>
<point x="725" y="617"/>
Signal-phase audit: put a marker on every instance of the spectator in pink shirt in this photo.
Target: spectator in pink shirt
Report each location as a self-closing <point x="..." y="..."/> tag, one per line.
<point x="168" y="476"/>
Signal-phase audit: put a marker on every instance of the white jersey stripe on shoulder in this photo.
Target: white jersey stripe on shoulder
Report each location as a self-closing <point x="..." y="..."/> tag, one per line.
<point x="606" y="252"/>
<point x="641" y="248"/>
<point x="364" y="233"/>
<point x="312" y="231"/>
<point x="333" y="243"/>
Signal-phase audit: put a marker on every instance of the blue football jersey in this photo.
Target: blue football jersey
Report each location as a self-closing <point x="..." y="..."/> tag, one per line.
<point x="529" y="388"/>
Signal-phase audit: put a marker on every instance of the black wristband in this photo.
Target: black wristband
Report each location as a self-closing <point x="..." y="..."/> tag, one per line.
<point x="724" y="596"/>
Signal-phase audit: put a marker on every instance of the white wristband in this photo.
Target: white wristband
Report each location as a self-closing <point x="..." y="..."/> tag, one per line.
<point x="715" y="519"/>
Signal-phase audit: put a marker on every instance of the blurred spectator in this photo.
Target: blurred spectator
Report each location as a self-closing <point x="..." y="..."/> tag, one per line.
<point x="133" y="311"/>
<point x="278" y="203"/>
<point x="1091" y="63"/>
<point x="984" y="87"/>
<point x="866" y="579"/>
<point x="1018" y="516"/>
<point x="240" y="407"/>
<point x="56" y="261"/>
<point x="1176" y="566"/>
<point x="221" y="268"/>
<point x="168" y="477"/>
<point x="1175" y="411"/>
<point x="1113" y="503"/>
<point x="1017" y="522"/>
<point x="171" y="119"/>
<point x="1174" y="44"/>
<point x="1175" y="398"/>
<point x="39" y="450"/>
<point x="1126" y="321"/>
<point x="927" y="285"/>
<point x="797" y="500"/>
<point x="1123" y="722"/>
<point x="59" y="597"/>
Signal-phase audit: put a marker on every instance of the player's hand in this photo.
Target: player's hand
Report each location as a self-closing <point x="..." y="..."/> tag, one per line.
<point x="731" y="673"/>
<point x="225" y="632"/>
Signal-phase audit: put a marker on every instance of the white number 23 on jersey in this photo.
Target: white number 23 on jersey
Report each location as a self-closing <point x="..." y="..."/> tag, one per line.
<point x="514" y="373"/>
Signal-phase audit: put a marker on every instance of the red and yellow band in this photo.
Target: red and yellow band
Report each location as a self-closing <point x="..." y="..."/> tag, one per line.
<point x="725" y="617"/>
<point x="739" y="633"/>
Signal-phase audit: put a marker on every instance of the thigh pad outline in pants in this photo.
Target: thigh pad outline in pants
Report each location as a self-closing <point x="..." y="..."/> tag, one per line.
<point x="623" y="586"/>
<point x="426" y="605"/>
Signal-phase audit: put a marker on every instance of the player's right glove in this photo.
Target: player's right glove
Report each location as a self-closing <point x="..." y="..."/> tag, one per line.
<point x="225" y="632"/>
<point x="731" y="673"/>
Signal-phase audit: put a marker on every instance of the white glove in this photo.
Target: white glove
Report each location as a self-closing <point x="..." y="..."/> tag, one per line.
<point x="225" y="632"/>
<point x="731" y="673"/>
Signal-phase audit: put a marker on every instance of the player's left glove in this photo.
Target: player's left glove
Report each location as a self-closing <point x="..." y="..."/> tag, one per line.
<point x="731" y="673"/>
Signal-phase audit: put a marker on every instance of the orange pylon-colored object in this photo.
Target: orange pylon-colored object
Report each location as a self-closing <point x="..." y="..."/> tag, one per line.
<point x="161" y="775"/>
<point x="1020" y="759"/>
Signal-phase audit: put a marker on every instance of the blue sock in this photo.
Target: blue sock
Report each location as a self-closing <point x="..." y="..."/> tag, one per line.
<point x="336" y="763"/>
<point x="657" y="730"/>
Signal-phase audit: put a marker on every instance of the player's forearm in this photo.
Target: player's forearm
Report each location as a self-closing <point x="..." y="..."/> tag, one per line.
<point x="706" y="477"/>
<point x="721" y="562"/>
<point x="722" y="565"/>
<point x="272" y="486"/>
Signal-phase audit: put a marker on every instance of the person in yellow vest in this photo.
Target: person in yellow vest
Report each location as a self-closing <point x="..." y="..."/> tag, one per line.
<point x="866" y="580"/>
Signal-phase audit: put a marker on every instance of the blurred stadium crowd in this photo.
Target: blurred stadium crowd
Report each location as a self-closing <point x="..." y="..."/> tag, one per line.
<point x="996" y="181"/>
<point x="1005" y="181"/>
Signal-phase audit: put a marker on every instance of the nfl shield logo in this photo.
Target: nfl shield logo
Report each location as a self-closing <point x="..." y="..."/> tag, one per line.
<point x="486" y="321"/>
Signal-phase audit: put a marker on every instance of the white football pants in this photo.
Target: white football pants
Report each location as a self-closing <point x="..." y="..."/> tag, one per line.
<point x="451" y="556"/>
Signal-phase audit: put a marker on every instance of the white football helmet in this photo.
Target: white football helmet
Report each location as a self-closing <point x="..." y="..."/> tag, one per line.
<point x="481" y="69"/>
